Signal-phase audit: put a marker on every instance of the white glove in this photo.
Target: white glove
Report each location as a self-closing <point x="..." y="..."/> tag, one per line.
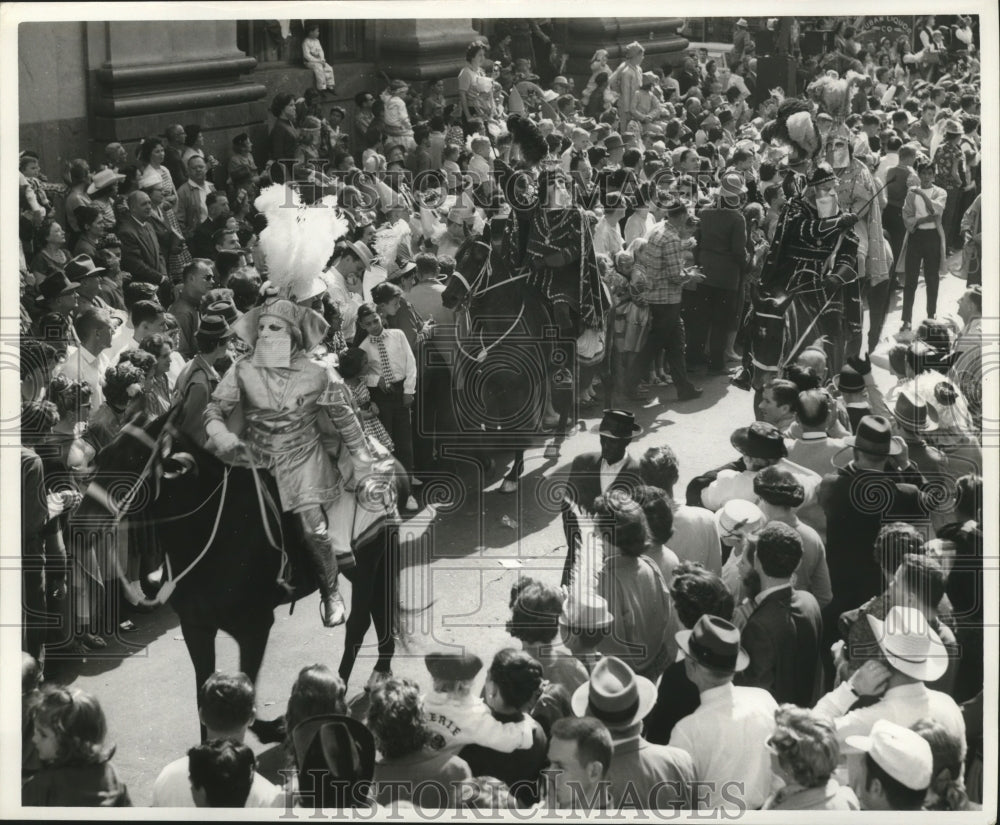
<point x="225" y="442"/>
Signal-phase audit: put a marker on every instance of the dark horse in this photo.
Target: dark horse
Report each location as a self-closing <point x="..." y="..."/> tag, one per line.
<point x="505" y="338"/>
<point x="231" y="556"/>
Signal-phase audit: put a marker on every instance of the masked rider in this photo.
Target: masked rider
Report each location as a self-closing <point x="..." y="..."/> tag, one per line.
<point x="294" y="409"/>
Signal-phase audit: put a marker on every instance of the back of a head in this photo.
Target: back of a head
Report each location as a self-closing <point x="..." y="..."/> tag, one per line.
<point x="535" y="612"/>
<point x="221" y="772"/>
<point x="623" y="523"/>
<point x="226" y="701"/>
<point x="893" y="542"/>
<point x="658" y="467"/>
<point x="897" y="359"/>
<point x="778" y="549"/>
<point x="592" y="738"/>
<point x="805" y="378"/>
<point x="924" y="579"/>
<point x="144" y="312"/>
<point x="517" y="677"/>
<point x="656" y="506"/>
<point x="317" y="691"/>
<point x="813" y="408"/>
<point x="697" y="592"/>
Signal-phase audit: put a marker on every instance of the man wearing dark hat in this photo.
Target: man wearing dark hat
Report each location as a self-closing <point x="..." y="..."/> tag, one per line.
<point x="914" y="420"/>
<point x="87" y="276"/>
<point x="858" y="500"/>
<point x="761" y="445"/>
<point x="642" y="775"/>
<point x="783" y="633"/>
<point x="198" y="380"/>
<point x="813" y="255"/>
<point x="58" y="296"/>
<point x="727" y="715"/>
<point x="593" y="474"/>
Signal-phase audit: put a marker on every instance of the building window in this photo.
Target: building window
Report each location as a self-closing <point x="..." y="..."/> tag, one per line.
<point x="280" y="41"/>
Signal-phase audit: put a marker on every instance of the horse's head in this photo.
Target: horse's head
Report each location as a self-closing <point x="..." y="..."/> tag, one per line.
<point x="470" y="262"/>
<point x="131" y="468"/>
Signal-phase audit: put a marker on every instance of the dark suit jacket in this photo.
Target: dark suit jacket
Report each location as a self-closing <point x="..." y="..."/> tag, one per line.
<point x="783" y="637"/>
<point x="698" y="484"/>
<point x="676" y="697"/>
<point x="857" y="504"/>
<point x="141" y="253"/>
<point x="583" y="486"/>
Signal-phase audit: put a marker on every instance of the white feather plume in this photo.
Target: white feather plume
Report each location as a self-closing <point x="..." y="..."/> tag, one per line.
<point x="298" y="240"/>
<point x="584" y="577"/>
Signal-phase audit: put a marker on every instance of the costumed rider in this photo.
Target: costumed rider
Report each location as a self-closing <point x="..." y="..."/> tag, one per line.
<point x="813" y="257"/>
<point x="857" y="192"/>
<point x="553" y="238"/>
<point x="298" y="420"/>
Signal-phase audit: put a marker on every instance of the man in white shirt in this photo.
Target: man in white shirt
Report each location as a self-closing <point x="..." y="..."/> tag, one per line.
<point x="726" y="734"/>
<point x="226" y="709"/>
<point x="913" y="654"/>
<point x="695" y="536"/>
<point x="89" y="361"/>
<point x="392" y="383"/>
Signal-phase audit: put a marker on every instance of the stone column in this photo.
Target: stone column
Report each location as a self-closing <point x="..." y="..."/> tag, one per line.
<point x="145" y="75"/>
<point x="658" y="36"/>
<point x="424" y="49"/>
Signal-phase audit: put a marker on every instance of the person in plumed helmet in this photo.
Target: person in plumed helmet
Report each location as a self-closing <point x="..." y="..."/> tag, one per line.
<point x="294" y="408"/>
<point x="813" y="258"/>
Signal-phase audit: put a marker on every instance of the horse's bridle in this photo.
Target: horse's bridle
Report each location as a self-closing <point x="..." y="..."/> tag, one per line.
<point x="463" y="310"/>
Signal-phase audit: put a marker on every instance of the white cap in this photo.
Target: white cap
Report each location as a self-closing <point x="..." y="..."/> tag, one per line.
<point x="902" y="753"/>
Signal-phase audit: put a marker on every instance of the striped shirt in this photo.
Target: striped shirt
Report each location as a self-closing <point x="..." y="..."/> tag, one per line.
<point x="662" y="261"/>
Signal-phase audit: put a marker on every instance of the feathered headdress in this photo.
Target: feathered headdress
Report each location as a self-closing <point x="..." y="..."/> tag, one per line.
<point x="298" y="240"/>
<point x="794" y="125"/>
<point x="585" y="609"/>
<point x="390" y="242"/>
<point x="834" y="93"/>
<point x="528" y="137"/>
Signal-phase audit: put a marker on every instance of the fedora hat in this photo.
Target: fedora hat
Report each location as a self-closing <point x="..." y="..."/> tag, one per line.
<point x="715" y="643"/>
<point x="913" y="415"/>
<point x="588" y="612"/>
<point x="82" y="266"/>
<point x="759" y="440"/>
<point x="874" y="436"/>
<point x="910" y="644"/>
<point x="362" y="251"/>
<point x="902" y="753"/>
<point x="613" y="141"/>
<point x="849" y="380"/>
<point x="55" y="285"/>
<point x="742" y="23"/>
<point x="214" y="326"/>
<point x="619" y="424"/>
<point x="104" y="178"/>
<point x="615" y="694"/>
<point x="732" y="186"/>
<point x="339" y="753"/>
<point x="225" y="308"/>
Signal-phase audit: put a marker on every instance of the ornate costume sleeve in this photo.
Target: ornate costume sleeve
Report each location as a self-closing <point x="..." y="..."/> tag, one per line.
<point x="816" y="231"/>
<point x="336" y="399"/>
<point x="225" y="397"/>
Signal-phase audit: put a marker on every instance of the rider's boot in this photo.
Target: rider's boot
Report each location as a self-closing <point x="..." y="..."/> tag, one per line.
<point x="320" y="549"/>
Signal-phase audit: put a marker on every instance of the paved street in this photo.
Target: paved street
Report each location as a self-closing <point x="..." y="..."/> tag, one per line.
<point x="460" y="566"/>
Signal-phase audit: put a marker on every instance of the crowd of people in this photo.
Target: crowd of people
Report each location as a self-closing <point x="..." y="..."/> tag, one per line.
<point x="800" y="628"/>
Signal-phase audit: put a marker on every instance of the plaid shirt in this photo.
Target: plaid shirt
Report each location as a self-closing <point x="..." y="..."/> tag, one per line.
<point x="662" y="262"/>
